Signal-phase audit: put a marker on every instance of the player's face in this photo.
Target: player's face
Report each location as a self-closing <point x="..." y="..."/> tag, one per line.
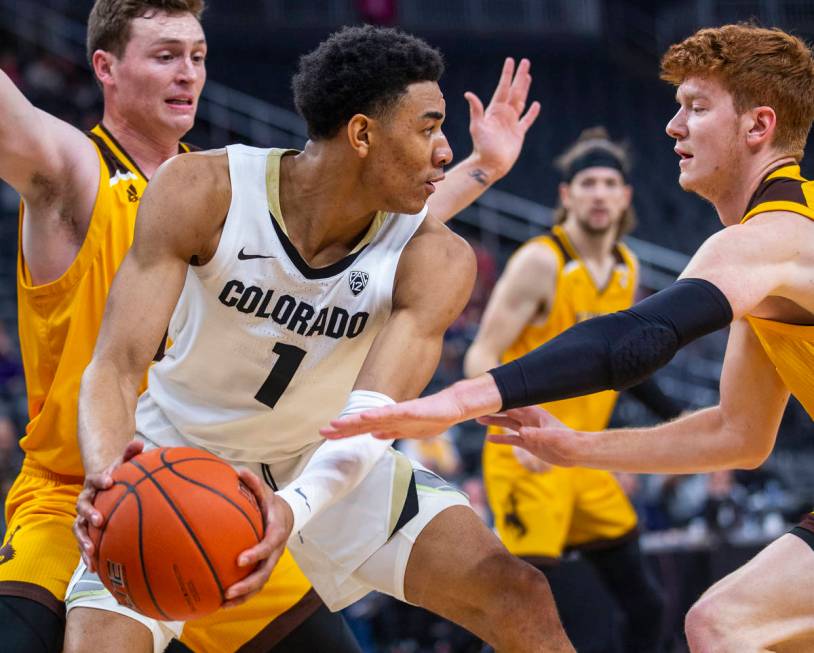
<point x="412" y="150"/>
<point x="706" y="130"/>
<point x="597" y="198"/>
<point x="161" y="74"/>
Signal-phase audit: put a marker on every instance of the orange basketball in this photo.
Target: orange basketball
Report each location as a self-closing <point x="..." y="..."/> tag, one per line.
<point x="175" y="521"/>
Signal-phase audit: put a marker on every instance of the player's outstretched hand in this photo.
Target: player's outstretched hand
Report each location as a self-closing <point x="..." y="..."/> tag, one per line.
<point x="535" y="430"/>
<point x="278" y="520"/>
<point x="86" y="513"/>
<point x="499" y="130"/>
<point x="419" y="418"/>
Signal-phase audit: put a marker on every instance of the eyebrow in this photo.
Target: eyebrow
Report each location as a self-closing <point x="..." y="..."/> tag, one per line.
<point x="168" y="41"/>
<point x="433" y="115"/>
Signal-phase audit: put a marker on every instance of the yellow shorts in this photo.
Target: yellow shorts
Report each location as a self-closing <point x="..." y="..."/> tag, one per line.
<point x="539" y="515"/>
<point x="40" y="554"/>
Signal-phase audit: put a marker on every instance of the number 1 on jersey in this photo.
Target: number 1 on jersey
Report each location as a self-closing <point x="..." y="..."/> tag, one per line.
<point x="288" y="360"/>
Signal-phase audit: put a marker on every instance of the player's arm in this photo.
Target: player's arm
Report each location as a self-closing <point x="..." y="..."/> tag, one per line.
<point x="497" y="134"/>
<point x="738" y="433"/>
<point x="50" y="163"/>
<point x="732" y="273"/>
<point x="179" y="216"/>
<point x="427" y="298"/>
<point x="525" y="289"/>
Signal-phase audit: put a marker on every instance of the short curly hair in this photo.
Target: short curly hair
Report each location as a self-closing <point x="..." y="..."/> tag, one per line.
<point x="360" y="70"/>
<point x="759" y="67"/>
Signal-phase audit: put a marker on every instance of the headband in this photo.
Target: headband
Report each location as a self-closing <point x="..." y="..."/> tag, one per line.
<point x="593" y="158"/>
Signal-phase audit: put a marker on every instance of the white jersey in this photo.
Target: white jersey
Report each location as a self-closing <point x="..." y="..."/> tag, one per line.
<point x="265" y="348"/>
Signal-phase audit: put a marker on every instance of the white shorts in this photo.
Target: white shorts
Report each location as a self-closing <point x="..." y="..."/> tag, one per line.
<point x="359" y="544"/>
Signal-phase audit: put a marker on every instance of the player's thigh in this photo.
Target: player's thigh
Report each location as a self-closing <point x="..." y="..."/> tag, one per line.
<point x="602" y="510"/>
<point x="100" y="631"/>
<point x="767" y="601"/>
<point x="97" y="623"/>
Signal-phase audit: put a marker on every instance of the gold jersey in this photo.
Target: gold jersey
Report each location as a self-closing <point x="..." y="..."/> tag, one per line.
<point x="577" y="298"/>
<point x="789" y="346"/>
<point x="59" y="320"/>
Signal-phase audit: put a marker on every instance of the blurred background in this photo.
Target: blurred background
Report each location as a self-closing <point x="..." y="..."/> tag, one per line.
<point x="594" y="62"/>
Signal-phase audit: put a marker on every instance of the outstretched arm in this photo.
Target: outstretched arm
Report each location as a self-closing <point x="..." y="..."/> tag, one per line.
<point x="733" y="272"/>
<point x="497" y="133"/>
<point x="55" y="168"/>
<point x="738" y="433"/>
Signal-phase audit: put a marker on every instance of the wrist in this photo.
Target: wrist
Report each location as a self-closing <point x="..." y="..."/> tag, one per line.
<point x="481" y="169"/>
<point x="476" y="397"/>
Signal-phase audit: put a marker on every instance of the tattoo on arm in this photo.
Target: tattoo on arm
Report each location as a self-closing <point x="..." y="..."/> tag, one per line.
<point x="480" y="176"/>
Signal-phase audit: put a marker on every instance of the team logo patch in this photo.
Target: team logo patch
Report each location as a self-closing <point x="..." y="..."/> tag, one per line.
<point x="357" y="281"/>
<point x="7" y="551"/>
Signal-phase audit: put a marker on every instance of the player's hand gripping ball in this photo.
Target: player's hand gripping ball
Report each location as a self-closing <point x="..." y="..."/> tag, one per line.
<point x="175" y="521"/>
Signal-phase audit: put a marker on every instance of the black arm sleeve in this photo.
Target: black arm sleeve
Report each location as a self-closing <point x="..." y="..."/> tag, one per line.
<point x="650" y="394"/>
<point x="615" y="351"/>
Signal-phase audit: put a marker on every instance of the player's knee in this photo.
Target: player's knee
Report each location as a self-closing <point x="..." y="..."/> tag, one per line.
<point x="520" y="599"/>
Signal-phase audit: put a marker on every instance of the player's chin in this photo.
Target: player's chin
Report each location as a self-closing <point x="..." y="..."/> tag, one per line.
<point x="179" y="123"/>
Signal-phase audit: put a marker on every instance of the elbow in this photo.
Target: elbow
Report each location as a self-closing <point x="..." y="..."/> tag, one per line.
<point x="753" y="451"/>
<point x="755" y="458"/>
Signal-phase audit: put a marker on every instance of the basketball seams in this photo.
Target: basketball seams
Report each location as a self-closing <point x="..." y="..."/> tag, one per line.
<point x="131" y="492"/>
<point x="170" y="466"/>
<point x="184" y="522"/>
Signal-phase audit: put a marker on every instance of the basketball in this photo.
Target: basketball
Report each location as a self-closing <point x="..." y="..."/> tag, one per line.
<point x="175" y="521"/>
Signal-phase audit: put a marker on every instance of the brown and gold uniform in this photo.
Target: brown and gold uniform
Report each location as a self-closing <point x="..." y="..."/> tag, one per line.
<point x="538" y="515"/>
<point x="789" y="346"/>
<point x="58" y="323"/>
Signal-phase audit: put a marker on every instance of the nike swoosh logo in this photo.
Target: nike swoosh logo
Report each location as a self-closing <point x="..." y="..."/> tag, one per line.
<point x="241" y="255"/>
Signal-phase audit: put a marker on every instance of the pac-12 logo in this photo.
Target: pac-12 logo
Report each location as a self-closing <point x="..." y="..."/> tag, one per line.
<point x="357" y="281"/>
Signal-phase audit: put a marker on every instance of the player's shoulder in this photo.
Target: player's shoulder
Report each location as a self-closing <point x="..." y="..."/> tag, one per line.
<point x="437" y="253"/>
<point x="202" y="174"/>
<point x="435" y="239"/>
<point x="539" y="256"/>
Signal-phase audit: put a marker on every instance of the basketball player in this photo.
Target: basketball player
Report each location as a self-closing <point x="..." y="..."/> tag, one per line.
<point x="80" y="193"/>
<point x="745" y="110"/>
<point x="579" y="270"/>
<point x="313" y="285"/>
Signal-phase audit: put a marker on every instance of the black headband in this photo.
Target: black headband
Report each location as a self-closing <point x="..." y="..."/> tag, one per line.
<point x="594" y="158"/>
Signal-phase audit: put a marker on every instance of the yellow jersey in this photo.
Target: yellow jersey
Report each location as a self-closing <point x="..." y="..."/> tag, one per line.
<point x="59" y="321"/>
<point x="789" y="346"/>
<point x="577" y="298"/>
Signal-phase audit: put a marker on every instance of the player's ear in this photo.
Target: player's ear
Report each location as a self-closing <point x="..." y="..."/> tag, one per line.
<point x="102" y="62"/>
<point x="565" y="194"/>
<point x="358" y="131"/>
<point x="761" y="125"/>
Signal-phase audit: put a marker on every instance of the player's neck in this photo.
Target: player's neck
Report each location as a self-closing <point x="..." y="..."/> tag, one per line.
<point x="148" y="150"/>
<point x="324" y="211"/>
<point x="731" y="204"/>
